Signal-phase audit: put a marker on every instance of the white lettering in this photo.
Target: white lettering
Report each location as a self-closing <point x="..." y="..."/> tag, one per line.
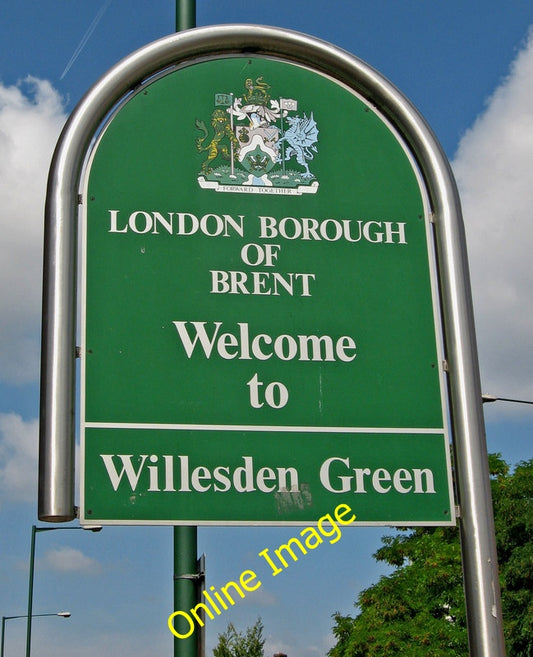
<point x="220" y="475"/>
<point x="428" y="476"/>
<point x="178" y="223"/>
<point x="381" y="475"/>
<point x="127" y="469"/>
<point x="243" y="477"/>
<point x="332" y="230"/>
<point x="153" y="472"/>
<point x="335" y="478"/>
<point x="189" y="345"/>
<point x="199" y="474"/>
<point x="114" y="221"/>
<point x="325" y="476"/>
<point x="262" y="346"/>
<point x="260" y="282"/>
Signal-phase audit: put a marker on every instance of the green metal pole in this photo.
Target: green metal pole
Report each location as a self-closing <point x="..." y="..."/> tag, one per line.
<point x="185" y="537"/>
<point x="30" y="591"/>
<point x="3" y="633"/>
<point x="185" y="588"/>
<point x="185" y="14"/>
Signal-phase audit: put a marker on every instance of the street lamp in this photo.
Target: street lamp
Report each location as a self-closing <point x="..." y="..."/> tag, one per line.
<point x="34" y="531"/>
<point x="487" y="399"/>
<point x="63" y="614"/>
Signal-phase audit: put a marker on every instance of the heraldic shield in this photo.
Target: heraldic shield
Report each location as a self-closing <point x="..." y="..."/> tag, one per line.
<point x="257" y="142"/>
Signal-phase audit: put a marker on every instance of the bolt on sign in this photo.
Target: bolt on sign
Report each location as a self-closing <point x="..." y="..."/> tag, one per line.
<point x="261" y="330"/>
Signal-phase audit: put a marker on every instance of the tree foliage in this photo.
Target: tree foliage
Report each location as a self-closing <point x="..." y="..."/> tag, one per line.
<point x="418" y="610"/>
<point x="249" y="643"/>
<point x="513" y="518"/>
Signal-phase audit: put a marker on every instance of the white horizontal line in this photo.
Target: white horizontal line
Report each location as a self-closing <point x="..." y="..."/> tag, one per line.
<point x="253" y="427"/>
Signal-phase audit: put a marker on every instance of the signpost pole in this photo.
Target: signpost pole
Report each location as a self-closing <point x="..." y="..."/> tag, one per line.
<point x="185" y="537"/>
<point x="185" y="585"/>
<point x="185" y="14"/>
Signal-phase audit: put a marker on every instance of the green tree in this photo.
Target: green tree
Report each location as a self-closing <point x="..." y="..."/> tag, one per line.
<point x="513" y="518"/>
<point x="232" y="643"/>
<point x="418" y="610"/>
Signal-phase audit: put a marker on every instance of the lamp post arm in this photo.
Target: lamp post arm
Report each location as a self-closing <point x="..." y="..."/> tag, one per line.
<point x="62" y="614"/>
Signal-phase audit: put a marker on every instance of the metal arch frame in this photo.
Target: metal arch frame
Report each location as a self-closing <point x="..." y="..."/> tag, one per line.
<point x="56" y="462"/>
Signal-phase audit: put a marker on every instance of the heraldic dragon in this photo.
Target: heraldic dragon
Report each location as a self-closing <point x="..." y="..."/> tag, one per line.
<point x="301" y="138"/>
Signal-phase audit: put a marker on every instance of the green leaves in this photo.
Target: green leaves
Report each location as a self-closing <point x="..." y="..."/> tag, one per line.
<point x="418" y="610"/>
<point x="241" y="644"/>
<point x="513" y="518"/>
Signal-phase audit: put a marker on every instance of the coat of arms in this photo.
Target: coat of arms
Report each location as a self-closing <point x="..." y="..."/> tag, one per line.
<point x="257" y="143"/>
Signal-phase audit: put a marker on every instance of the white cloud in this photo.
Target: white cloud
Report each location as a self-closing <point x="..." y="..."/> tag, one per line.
<point x="18" y="458"/>
<point x="261" y="598"/>
<point x="31" y="117"/>
<point x="69" y="560"/>
<point x="494" y="168"/>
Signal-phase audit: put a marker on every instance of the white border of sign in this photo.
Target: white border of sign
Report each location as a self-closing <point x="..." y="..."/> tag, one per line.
<point x="56" y="462"/>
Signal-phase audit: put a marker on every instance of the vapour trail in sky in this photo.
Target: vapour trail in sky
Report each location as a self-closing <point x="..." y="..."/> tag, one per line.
<point x="86" y="37"/>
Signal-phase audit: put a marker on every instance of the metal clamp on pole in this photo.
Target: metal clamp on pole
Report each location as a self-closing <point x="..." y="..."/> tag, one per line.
<point x="192" y="576"/>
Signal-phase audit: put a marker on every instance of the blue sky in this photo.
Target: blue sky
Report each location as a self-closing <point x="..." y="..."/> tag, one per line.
<point x="468" y="68"/>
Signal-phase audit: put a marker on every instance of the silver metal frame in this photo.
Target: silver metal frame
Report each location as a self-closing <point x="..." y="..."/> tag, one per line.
<point x="56" y="467"/>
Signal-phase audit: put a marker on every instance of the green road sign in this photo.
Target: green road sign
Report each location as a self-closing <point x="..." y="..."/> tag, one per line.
<point x="261" y="334"/>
